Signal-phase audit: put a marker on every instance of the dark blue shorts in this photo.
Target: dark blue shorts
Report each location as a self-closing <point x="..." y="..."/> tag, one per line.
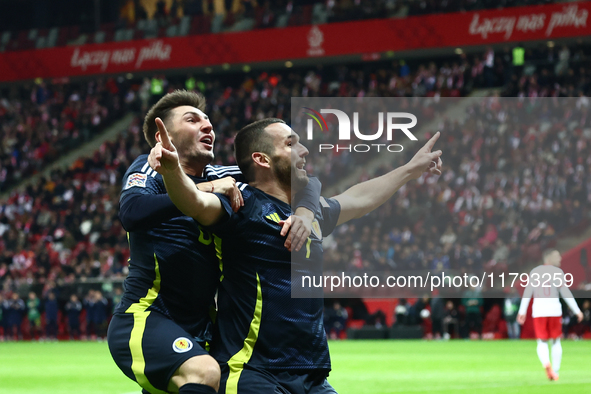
<point x="251" y="380"/>
<point x="149" y="347"/>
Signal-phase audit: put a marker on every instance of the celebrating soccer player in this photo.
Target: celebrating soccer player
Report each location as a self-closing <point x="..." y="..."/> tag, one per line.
<point x="159" y="330"/>
<point x="265" y="340"/>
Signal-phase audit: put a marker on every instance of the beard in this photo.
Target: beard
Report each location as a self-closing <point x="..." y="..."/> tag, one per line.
<point x="287" y="175"/>
<point x="198" y="156"/>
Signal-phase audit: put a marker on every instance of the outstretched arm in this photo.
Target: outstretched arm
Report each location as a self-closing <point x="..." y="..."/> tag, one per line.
<point x="206" y="208"/>
<point x="364" y="197"/>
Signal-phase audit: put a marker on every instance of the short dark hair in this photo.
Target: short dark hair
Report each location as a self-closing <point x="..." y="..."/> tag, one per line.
<point x="250" y="139"/>
<point x="163" y="108"/>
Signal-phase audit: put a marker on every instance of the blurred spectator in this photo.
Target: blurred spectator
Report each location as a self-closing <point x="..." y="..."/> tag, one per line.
<point x="449" y="237"/>
<point x="584" y="327"/>
<point x="335" y="320"/>
<point x="586" y="316"/>
<point x="90" y="307"/>
<point x="402" y="312"/>
<point x="116" y="298"/>
<point x="563" y="61"/>
<point x="15" y="312"/>
<point x="451" y="318"/>
<point x="34" y="316"/>
<point x="3" y="321"/>
<point x="510" y="309"/>
<point x="472" y="302"/>
<point x="100" y="315"/>
<point x="416" y="309"/>
<point x="73" y="310"/>
<point x="437" y="315"/>
<point x="51" y="316"/>
<point x="96" y="315"/>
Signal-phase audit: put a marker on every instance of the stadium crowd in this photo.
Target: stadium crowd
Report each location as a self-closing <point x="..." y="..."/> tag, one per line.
<point x="503" y="194"/>
<point x="505" y="191"/>
<point x="42" y="122"/>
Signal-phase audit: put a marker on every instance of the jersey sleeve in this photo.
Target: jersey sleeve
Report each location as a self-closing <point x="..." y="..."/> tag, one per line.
<point x="144" y="202"/>
<point x="217" y="172"/>
<point x="309" y="197"/>
<point x="141" y="179"/>
<point x="226" y="223"/>
<point x="331" y="210"/>
<point x="527" y="296"/>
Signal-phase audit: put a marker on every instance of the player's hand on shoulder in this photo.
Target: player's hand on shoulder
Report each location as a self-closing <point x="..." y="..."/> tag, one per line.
<point x="163" y="157"/>
<point x="298" y="229"/>
<point x="425" y="160"/>
<point x="228" y="187"/>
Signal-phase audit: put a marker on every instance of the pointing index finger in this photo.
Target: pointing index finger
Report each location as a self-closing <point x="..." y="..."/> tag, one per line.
<point x="431" y="142"/>
<point x="163" y="134"/>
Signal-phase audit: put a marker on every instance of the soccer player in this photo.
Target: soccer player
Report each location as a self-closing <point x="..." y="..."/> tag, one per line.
<point x="546" y="310"/>
<point x="159" y="329"/>
<point x="265" y="340"/>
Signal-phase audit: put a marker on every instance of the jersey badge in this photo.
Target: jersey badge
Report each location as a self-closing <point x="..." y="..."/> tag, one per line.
<point x="136" y="179"/>
<point x="316" y="231"/>
<point x="182" y="345"/>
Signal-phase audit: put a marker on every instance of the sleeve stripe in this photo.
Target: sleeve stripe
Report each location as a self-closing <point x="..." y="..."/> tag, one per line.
<point x="154" y="173"/>
<point x="229" y="173"/>
<point x="145" y="167"/>
<point x="149" y="172"/>
<point x="241" y="185"/>
<point x="223" y="170"/>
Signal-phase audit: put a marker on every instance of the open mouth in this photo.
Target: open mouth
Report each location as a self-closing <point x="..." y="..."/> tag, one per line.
<point x="208" y="141"/>
<point x="301" y="165"/>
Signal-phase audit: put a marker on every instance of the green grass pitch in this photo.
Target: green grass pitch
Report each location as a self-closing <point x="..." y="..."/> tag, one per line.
<point x="359" y="367"/>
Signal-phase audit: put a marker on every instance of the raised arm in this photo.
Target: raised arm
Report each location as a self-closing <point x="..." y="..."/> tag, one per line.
<point x="206" y="208"/>
<point x="364" y="197"/>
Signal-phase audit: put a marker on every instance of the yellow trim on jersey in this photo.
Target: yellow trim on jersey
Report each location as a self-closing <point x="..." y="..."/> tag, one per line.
<point x="274" y="217"/>
<point x="236" y="363"/>
<point x="140" y="315"/>
<point x="308" y="242"/>
<point x="218" y="252"/>
<point x="202" y="237"/>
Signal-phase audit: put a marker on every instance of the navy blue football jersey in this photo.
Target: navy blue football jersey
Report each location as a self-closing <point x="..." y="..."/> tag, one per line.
<point x="258" y="322"/>
<point x="172" y="268"/>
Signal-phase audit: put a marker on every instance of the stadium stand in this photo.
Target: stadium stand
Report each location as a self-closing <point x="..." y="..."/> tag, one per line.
<point x="133" y="20"/>
<point x="43" y="121"/>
